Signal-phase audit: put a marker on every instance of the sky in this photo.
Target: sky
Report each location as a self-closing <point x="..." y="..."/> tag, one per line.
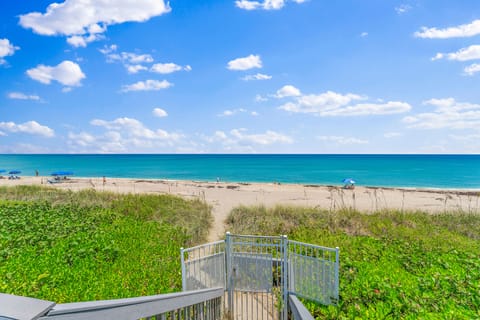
<point x="226" y="76"/>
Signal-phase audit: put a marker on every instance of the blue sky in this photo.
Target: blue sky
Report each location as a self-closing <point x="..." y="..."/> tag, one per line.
<point x="226" y="76"/>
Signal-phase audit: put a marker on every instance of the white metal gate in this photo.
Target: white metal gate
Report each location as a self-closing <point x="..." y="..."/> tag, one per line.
<point x="259" y="272"/>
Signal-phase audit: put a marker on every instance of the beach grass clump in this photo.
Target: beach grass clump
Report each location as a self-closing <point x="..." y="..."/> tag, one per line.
<point x="66" y="246"/>
<point x="393" y="265"/>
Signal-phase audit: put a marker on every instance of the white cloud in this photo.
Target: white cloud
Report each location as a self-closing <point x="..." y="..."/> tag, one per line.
<point x="447" y="113"/>
<point x="389" y="135"/>
<point x="246" y="63"/>
<point x="470" y="53"/>
<point x="165" y="68"/>
<point x="469" y="138"/>
<point x="258" y="76"/>
<point x="84" y="21"/>
<point x="287" y="91"/>
<point x="83" y="139"/>
<point x="133" y="128"/>
<point x="123" y="135"/>
<point x="265" y="4"/>
<point x="23" y="96"/>
<point x="330" y="104"/>
<point x="259" y="98"/>
<point x="403" y="8"/>
<point x="135" y="63"/>
<point x="239" y="139"/>
<point x="82" y="41"/>
<point x="461" y="31"/>
<point x="229" y="113"/>
<point x="67" y="73"/>
<point x="133" y="58"/>
<point x="135" y="68"/>
<point x="342" y="140"/>
<point x="30" y="127"/>
<point x="364" y="34"/>
<point x="269" y="137"/>
<point x="6" y="49"/>
<point x="160" y="113"/>
<point x="472" y="69"/>
<point x="147" y="85"/>
<point x="107" y="50"/>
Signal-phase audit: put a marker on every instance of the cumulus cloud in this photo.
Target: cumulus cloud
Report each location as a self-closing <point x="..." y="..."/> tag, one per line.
<point x="6" y="49"/>
<point x="472" y="69"/>
<point x="84" y="21"/>
<point x="260" y="98"/>
<point x="67" y="73"/>
<point x="241" y="140"/>
<point x="246" y="63"/>
<point x="165" y="68"/>
<point x="229" y="113"/>
<point x="446" y="113"/>
<point x="159" y="112"/>
<point x="470" y="53"/>
<point x="342" y="140"/>
<point x="135" y="68"/>
<point x="23" y="96"/>
<point x="403" y="8"/>
<point x="258" y="76"/>
<point x="130" y="58"/>
<point x="123" y="135"/>
<point x="29" y="127"/>
<point x="389" y="135"/>
<point x="269" y="137"/>
<point x="331" y="104"/>
<point x="287" y="91"/>
<point x="135" y="63"/>
<point x="147" y="85"/>
<point x="461" y="31"/>
<point x="264" y="5"/>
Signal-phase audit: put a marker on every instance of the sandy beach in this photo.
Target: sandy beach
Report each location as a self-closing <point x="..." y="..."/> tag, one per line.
<point x="223" y="196"/>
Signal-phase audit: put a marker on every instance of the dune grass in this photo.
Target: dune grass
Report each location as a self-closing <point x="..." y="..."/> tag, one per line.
<point x="393" y="265"/>
<point x="74" y="246"/>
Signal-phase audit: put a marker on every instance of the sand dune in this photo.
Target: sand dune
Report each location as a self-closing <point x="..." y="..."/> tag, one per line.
<point x="224" y="196"/>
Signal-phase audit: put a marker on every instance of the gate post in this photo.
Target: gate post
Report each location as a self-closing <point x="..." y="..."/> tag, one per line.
<point x="184" y="271"/>
<point x="285" y="277"/>
<point x="228" y="258"/>
<point x="337" y="270"/>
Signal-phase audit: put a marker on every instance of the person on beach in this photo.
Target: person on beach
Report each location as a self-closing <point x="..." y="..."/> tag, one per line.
<point x="104" y="181"/>
<point x="36" y="173"/>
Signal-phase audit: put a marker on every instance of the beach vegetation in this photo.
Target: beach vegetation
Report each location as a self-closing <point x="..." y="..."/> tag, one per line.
<point x="393" y="264"/>
<point x="69" y="246"/>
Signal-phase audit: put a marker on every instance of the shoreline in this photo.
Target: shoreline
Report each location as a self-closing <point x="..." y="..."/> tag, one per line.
<point x="224" y="196"/>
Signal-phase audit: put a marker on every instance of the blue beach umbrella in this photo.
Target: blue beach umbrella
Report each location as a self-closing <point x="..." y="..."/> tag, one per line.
<point x="348" y="181"/>
<point x="62" y="173"/>
<point x="15" y="172"/>
<point x="2" y="170"/>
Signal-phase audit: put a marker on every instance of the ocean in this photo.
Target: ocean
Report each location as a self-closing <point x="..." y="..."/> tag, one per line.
<point x="416" y="171"/>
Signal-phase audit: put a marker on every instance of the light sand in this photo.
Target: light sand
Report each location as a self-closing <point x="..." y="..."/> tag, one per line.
<point x="224" y="196"/>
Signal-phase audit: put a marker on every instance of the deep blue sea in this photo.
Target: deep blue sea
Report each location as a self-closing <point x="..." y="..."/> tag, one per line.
<point x="432" y="171"/>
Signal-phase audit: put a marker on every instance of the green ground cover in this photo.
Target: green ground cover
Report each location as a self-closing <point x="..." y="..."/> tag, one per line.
<point x="393" y="265"/>
<point x="76" y="246"/>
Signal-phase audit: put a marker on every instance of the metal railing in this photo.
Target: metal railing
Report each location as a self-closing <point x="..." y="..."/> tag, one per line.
<point x="200" y="304"/>
<point x="261" y="274"/>
<point x="298" y="310"/>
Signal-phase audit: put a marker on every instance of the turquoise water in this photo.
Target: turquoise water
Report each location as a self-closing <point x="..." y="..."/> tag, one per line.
<point x="434" y="171"/>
